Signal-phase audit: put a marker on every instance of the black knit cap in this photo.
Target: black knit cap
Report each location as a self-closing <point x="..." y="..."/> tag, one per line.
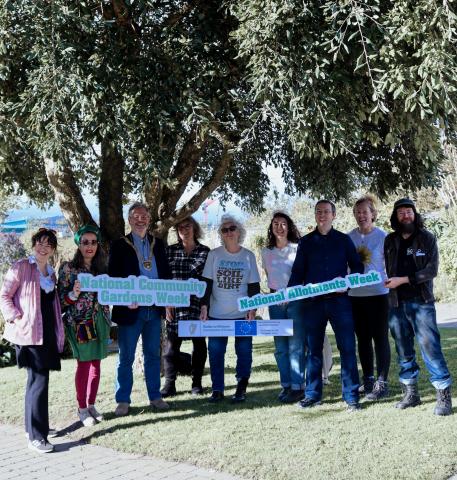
<point x="404" y="202"/>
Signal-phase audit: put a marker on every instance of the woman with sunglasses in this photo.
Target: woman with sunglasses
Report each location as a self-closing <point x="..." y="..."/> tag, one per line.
<point x="230" y="272"/>
<point x="33" y="323"/>
<point x="87" y="323"/>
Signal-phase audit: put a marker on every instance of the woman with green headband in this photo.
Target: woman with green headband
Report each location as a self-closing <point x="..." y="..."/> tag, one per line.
<point x="87" y="323"/>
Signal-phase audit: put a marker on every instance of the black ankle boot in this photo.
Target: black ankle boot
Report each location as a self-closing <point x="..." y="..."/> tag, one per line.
<point x="410" y="398"/>
<point x="169" y="389"/>
<point x="240" y="393"/>
<point x="443" y="402"/>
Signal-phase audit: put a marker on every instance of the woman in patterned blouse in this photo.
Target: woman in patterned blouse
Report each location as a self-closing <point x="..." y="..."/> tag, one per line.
<point x="87" y="323"/>
<point x="186" y="259"/>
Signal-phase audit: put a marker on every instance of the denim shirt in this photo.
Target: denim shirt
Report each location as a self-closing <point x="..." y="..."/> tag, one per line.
<point x="324" y="257"/>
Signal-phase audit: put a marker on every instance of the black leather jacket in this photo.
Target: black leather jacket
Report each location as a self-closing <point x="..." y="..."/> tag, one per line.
<point x="425" y="255"/>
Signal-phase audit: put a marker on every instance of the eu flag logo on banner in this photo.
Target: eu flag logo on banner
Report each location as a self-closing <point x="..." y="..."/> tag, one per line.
<point x="245" y="329"/>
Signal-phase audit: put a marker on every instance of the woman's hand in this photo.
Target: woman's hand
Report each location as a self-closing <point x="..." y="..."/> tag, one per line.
<point x="204" y="313"/>
<point x="76" y="288"/>
<point x="250" y="315"/>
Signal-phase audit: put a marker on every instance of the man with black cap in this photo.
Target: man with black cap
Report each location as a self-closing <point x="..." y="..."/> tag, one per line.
<point x="411" y="256"/>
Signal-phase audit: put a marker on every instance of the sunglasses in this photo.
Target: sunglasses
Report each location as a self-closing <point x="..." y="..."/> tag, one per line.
<point x="232" y="228"/>
<point x="88" y="242"/>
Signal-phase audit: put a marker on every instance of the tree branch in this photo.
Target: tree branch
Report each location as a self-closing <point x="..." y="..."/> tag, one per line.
<point x="67" y="194"/>
<point x="162" y="226"/>
<point x="182" y="171"/>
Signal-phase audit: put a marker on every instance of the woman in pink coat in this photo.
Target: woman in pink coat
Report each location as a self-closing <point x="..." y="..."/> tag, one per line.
<point x="33" y="322"/>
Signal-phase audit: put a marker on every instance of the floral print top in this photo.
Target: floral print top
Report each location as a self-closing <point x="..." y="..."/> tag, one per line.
<point x="86" y="306"/>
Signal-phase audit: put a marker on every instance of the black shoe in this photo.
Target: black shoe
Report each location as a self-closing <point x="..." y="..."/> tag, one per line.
<point x="353" y="407"/>
<point x="216" y="397"/>
<point x="197" y="390"/>
<point x="308" y="403"/>
<point x="169" y="389"/>
<point x="293" y="396"/>
<point x="283" y="393"/>
<point x="367" y="386"/>
<point x="410" y="398"/>
<point x="380" y="390"/>
<point x="240" y="393"/>
<point x="443" y="402"/>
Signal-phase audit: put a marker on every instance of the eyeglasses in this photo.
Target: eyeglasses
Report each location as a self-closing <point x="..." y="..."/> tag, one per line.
<point x="139" y="216"/>
<point x="232" y="228"/>
<point x="88" y="242"/>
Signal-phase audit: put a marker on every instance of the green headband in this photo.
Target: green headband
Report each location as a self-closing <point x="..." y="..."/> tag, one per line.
<point x="86" y="229"/>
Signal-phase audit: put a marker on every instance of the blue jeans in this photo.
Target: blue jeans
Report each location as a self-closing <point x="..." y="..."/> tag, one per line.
<point x="148" y="325"/>
<point x="418" y="318"/>
<point x="316" y="314"/>
<point x="216" y="353"/>
<point x="290" y="351"/>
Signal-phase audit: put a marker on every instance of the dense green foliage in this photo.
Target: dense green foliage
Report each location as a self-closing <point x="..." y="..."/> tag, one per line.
<point x="147" y="97"/>
<point x="366" y="88"/>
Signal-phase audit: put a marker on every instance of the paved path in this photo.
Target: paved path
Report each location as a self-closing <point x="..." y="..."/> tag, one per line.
<point x="78" y="461"/>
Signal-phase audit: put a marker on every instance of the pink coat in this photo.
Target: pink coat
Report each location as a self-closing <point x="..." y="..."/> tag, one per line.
<point x="20" y="297"/>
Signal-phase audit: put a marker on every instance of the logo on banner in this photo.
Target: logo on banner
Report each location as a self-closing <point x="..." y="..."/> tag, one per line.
<point x="245" y="329"/>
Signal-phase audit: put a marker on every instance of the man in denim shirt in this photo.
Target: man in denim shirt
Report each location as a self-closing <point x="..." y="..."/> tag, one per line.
<point x="411" y="256"/>
<point x="323" y="255"/>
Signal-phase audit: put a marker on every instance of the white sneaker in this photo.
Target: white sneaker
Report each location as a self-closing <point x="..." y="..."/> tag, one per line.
<point x="95" y="413"/>
<point x="86" y="418"/>
<point x="40" y="446"/>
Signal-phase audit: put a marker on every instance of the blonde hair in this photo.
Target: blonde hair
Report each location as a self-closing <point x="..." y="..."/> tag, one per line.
<point x="227" y="218"/>
<point x="372" y="204"/>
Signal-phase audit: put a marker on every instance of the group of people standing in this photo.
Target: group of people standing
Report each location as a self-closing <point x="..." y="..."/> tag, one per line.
<point x="407" y="259"/>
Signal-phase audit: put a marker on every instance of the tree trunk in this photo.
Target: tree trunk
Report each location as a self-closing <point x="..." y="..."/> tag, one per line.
<point x="110" y="192"/>
<point x="67" y="194"/>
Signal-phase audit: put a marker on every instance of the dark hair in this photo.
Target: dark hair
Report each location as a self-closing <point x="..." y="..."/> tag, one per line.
<point x="45" y="233"/>
<point x="324" y="200"/>
<point x="395" y="224"/>
<point x="293" y="235"/>
<point x="98" y="264"/>
<point x="198" y="232"/>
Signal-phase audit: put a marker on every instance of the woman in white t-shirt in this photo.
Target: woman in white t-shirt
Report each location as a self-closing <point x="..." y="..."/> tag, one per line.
<point x="230" y="272"/>
<point x="369" y="304"/>
<point x="277" y="260"/>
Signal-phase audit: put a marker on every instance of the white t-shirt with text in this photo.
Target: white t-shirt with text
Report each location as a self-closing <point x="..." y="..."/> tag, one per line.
<point x="231" y="273"/>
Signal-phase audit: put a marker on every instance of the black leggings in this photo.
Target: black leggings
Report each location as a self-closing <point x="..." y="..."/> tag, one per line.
<point x="371" y="326"/>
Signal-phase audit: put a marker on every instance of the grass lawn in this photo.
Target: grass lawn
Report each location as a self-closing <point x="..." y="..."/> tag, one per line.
<point x="262" y="439"/>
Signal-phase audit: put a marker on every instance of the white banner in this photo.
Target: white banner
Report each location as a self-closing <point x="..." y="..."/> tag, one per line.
<point x="235" y="328"/>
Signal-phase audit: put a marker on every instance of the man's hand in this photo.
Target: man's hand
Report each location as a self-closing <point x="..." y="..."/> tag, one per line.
<point x="395" y="282"/>
<point x="133" y="306"/>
